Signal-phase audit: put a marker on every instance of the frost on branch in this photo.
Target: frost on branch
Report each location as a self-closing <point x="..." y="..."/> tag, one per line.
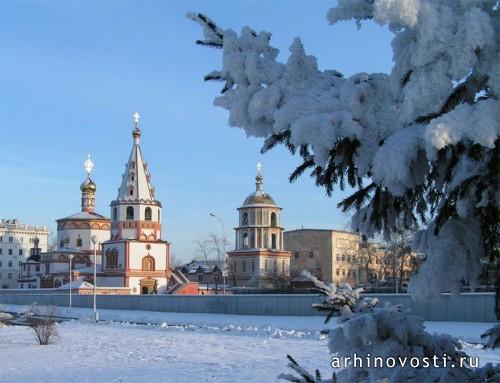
<point x="368" y="331"/>
<point x="492" y="337"/>
<point x="425" y="136"/>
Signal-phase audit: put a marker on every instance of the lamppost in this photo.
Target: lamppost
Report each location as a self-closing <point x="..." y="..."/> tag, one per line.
<point x="223" y="251"/>
<point x="95" y="241"/>
<point x="70" y="278"/>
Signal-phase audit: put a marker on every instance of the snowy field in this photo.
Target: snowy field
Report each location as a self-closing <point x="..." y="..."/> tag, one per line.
<point x="177" y="347"/>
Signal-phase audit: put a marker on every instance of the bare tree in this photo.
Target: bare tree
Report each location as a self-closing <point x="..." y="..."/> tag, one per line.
<point x="218" y="245"/>
<point x="399" y="259"/>
<point x="204" y="249"/>
<point x="42" y="322"/>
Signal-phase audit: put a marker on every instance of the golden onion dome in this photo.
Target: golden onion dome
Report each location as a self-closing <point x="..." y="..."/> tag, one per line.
<point x="136" y="133"/>
<point x="88" y="186"/>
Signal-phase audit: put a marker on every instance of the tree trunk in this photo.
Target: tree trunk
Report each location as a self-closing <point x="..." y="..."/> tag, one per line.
<point x="497" y="291"/>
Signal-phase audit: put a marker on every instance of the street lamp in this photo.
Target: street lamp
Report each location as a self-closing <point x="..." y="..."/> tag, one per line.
<point x="95" y="241"/>
<point x="70" y="278"/>
<point x="223" y="251"/>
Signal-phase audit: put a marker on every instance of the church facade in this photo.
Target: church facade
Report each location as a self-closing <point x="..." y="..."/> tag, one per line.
<point x="136" y="256"/>
<point x="259" y="258"/>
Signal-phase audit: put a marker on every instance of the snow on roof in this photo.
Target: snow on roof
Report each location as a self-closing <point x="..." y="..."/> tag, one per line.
<point x="66" y="250"/>
<point x="84" y="215"/>
<point x="78" y="285"/>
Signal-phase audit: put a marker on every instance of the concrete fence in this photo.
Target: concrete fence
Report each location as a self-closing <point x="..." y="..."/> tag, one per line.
<point x="469" y="307"/>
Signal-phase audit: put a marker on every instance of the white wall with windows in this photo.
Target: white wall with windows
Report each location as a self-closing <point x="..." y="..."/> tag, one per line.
<point x="16" y="241"/>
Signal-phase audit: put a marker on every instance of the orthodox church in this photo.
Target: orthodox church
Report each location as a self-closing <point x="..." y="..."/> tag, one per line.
<point x="135" y="256"/>
<point x="259" y="258"/>
<point x="129" y="250"/>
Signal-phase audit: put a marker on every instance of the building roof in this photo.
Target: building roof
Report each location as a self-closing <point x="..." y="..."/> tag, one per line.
<point x="258" y="197"/>
<point x="323" y="230"/>
<point x="77" y="285"/>
<point x="136" y="185"/>
<point x="65" y="250"/>
<point x="84" y="215"/>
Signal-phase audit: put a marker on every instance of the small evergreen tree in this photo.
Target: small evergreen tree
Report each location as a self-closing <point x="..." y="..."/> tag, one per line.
<point x="367" y="331"/>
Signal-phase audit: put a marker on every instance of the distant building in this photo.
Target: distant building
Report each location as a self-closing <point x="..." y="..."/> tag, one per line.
<point x="16" y="241"/>
<point x="336" y="256"/>
<point x="206" y="273"/>
<point x="30" y="270"/>
<point x="324" y="253"/>
<point x="259" y="258"/>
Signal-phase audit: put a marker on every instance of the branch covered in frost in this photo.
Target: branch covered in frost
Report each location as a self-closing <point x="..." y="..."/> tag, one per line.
<point x="304" y="375"/>
<point x="492" y="337"/>
<point x="342" y="300"/>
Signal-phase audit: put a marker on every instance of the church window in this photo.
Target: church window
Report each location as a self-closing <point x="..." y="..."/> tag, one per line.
<point x="115" y="214"/>
<point x="130" y="213"/>
<point x="273" y="241"/>
<point x="131" y="191"/>
<point x="147" y="214"/>
<point x="148" y="263"/>
<point x="296" y="255"/>
<point x="61" y="244"/>
<point x="112" y="258"/>
<point x="245" y="240"/>
<point x="78" y="242"/>
<point x="20" y="251"/>
<point x="273" y="219"/>
<point x="245" y="219"/>
<point x="244" y="267"/>
<point x="275" y="266"/>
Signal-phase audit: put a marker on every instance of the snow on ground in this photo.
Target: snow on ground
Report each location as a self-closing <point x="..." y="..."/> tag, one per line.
<point x="180" y="347"/>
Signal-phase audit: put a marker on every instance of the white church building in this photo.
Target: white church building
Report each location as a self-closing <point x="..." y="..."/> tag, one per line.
<point x="130" y="252"/>
<point x="136" y="256"/>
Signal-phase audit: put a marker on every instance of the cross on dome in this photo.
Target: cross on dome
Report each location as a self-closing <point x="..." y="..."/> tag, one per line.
<point x="258" y="166"/>
<point x="136" y="119"/>
<point x="88" y="164"/>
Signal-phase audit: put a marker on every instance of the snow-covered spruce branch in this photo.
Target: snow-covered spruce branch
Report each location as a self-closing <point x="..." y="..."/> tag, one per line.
<point x="426" y="136"/>
<point x="368" y="331"/>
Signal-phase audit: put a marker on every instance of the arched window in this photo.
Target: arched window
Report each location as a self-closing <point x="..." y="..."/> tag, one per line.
<point x="245" y="219"/>
<point x="245" y="240"/>
<point x="147" y="214"/>
<point x="130" y="190"/>
<point x="148" y="263"/>
<point x="78" y="242"/>
<point x="115" y="214"/>
<point x="130" y="213"/>
<point x="273" y="241"/>
<point x="273" y="219"/>
<point x="112" y="258"/>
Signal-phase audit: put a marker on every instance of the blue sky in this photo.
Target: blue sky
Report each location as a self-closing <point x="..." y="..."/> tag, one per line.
<point x="72" y="73"/>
